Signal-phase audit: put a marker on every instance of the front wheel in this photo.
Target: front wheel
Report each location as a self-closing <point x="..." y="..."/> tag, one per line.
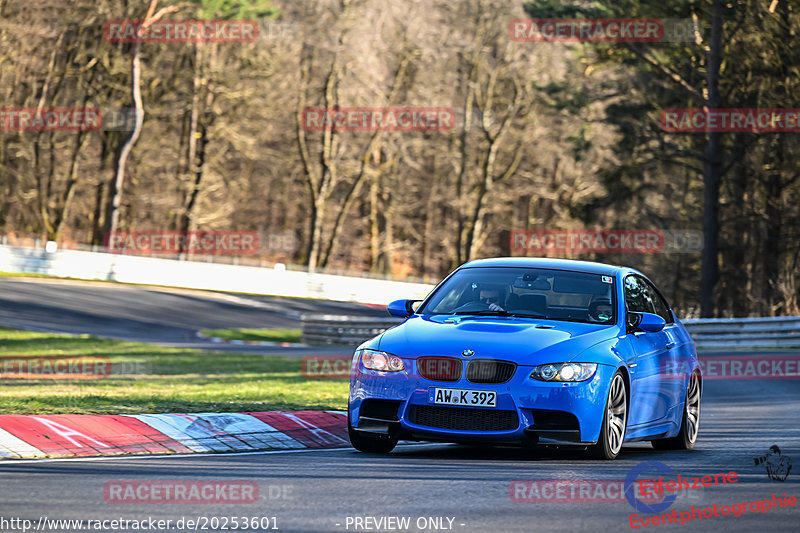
<point x="615" y="420"/>
<point x="370" y="442"/>
<point x="690" y="424"/>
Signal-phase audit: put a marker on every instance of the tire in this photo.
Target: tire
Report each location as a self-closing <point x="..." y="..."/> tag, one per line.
<point x="615" y="421"/>
<point x="690" y="422"/>
<point x="370" y="442"/>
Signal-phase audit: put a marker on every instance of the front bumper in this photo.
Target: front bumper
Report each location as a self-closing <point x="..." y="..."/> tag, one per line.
<point x="528" y="410"/>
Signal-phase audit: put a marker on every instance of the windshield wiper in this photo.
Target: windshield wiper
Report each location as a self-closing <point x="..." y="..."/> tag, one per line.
<point x="489" y="312"/>
<point x="486" y="312"/>
<point x="527" y="315"/>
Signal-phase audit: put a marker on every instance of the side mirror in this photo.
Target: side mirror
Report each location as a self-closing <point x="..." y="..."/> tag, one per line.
<point x="402" y="308"/>
<point x="649" y="322"/>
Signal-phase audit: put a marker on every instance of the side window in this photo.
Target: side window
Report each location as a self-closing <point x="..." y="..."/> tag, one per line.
<point x="659" y="304"/>
<point x="637" y="297"/>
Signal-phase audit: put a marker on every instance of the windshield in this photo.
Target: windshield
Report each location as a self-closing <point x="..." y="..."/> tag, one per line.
<point x="526" y="292"/>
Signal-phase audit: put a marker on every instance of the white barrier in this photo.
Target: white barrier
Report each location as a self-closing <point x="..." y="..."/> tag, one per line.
<point x="209" y="276"/>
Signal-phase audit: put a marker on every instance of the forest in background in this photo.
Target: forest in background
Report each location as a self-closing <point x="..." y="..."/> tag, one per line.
<point x="548" y="135"/>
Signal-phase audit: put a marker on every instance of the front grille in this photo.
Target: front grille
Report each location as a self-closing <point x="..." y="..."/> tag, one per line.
<point x="439" y="368"/>
<point x="490" y="371"/>
<point x="464" y="419"/>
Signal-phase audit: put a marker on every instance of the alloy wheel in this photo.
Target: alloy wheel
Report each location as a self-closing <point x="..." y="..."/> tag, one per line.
<point x="617" y="415"/>
<point x="693" y="408"/>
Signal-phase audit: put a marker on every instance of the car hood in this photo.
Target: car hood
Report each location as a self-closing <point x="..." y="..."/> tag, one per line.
<point x="523" y="341"/>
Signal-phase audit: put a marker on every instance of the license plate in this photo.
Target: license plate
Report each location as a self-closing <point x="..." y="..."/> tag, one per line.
<point x="466" y="397"/>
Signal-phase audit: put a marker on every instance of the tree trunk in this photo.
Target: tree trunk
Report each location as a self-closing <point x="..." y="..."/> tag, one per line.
<point x="772" y="239"/>
<point x="196" y="157"/>
<point x="427" y="234"/>
<point x="96" y="237"/>
<point x="738" y="290"/>
<point x="461" y="201"/>
<point x="315" y="237"/>
<point x="69" y="190"/>
<point x="374" y="227"/>
<point x="118" y="181"/>
<point x="711" y="172"/>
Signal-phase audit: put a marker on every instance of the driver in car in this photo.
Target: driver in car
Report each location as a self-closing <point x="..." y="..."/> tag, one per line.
<point x="600" y="310"/>
<point x="491" y="297"/>
<point x="483" y="297"/>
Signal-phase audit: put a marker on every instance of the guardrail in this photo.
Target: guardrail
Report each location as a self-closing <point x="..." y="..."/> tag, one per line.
<point x="340" y="329"/>
<point x="708" y="333"/>
<point x="770" y="332"/>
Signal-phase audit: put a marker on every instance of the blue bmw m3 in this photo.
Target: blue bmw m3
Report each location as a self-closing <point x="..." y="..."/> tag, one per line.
<point x="528" y="351"/>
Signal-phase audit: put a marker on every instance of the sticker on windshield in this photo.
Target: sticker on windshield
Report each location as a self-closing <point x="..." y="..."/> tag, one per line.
<point x="606" y="279"/>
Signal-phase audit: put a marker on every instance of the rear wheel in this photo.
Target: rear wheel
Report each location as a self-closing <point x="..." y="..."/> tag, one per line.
<point x="690" y="424"/>
<point x="615" y="419"/>
<point x="370" y="442"/>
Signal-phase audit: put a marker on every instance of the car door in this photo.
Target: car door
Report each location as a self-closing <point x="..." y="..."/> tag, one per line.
<point x="671" y="365"/>
<point x="649" y="399"/>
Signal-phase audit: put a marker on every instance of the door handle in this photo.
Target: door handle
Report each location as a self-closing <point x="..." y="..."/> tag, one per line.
<point x="670" y="345"/>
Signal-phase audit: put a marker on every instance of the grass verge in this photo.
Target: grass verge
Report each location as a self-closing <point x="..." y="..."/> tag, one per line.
<point x="176" y="380"/>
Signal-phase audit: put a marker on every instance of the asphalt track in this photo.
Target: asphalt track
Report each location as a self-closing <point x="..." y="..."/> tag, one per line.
<point x="164" y="316"/>
<point x="319" y="490"/>
<point x="327" y="490"/>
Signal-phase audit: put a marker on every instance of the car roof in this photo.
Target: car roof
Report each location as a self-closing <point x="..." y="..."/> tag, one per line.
<point x="553" y="263"/>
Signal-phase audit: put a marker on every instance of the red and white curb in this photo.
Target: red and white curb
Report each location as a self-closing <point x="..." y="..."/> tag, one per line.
<point x="239" y="342"/>
<point x="40" y="436"/>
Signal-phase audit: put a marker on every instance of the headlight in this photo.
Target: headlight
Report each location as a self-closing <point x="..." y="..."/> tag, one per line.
<point x="384" y="362"/>
<point x="564" y="372"/>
